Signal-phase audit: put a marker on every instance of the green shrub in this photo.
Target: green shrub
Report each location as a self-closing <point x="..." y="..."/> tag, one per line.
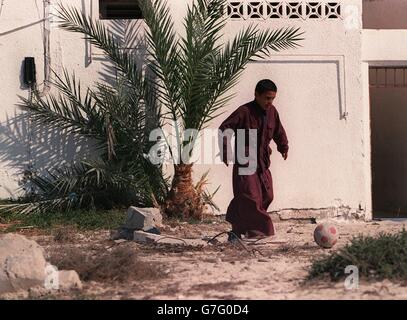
<point x="381" y="257"/>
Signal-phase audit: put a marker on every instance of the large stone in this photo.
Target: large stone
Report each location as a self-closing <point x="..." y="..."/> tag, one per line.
<point x="143" y="218"/>
<point x="145" y="237"/>
<point x="22" y="263"/>
<point x="69" y="280"/>
<point x="23" y="267"/>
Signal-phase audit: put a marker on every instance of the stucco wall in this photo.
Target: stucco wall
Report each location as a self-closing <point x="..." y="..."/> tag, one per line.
<point x="22" y="35"/>
<point x="14" y="46"/>
<point x="328" y="160"/>
<point x="387" y="46"/>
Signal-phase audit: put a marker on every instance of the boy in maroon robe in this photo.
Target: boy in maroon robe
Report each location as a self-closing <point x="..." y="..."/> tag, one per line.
<point x="253" y="192"/>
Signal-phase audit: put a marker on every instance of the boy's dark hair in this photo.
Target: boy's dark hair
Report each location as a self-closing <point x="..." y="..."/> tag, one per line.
<point x="265" y="85"/>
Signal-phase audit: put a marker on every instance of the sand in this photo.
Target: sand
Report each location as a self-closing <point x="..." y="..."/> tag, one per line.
<point x="273" y="268"/>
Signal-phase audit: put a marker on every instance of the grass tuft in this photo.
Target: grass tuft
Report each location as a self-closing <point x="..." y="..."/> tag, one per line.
<point x="81" y="219"/>
<point x="380" y="257"/>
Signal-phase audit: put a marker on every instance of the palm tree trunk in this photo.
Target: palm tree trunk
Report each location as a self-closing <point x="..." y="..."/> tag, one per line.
<point x="183" y="199"/>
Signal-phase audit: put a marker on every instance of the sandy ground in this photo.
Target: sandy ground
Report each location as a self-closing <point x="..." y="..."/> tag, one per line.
<point x="271" y="269"/>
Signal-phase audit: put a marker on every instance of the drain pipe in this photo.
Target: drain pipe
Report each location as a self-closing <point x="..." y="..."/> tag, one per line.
<point x="47" y="48"/>
<point x="31" y="168"/>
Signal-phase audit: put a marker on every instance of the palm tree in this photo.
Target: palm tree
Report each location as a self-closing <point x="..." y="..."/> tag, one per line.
<point x="194" y="74"/>
<point x="117" y="118"/>
<point x="192" y="77"/>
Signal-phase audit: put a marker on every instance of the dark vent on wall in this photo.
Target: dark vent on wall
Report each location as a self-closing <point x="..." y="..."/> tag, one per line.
<point x="119" y="9"/>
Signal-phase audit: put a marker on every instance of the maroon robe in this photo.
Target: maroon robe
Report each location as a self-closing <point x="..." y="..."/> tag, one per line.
<point x="247" y="212"/>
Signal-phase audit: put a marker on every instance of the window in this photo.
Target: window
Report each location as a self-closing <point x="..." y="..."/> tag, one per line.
<point x="119" y="9"/>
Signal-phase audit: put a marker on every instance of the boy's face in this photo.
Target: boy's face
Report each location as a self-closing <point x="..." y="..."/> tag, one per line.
<point x="265" y="100"/>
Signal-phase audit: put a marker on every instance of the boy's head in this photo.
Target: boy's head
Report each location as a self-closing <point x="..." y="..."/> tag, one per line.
<point x="265" y="93"/>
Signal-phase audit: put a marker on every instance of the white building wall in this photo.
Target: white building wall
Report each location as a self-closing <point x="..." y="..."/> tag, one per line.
<point x="328" y="163"/>
<point x="326" y="166"/>
<point x="20" y="36"/>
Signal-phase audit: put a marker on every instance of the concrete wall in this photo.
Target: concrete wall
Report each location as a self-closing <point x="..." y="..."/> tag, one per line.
<point x="317" y="83"/>
<point x="387" y="46"/>
<point x="384" y="14"/>
<point x="328" y="163"/>
<point x="21" y="35"/>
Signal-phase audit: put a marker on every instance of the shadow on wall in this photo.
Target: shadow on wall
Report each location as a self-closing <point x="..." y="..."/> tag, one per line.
<point x="25" y="146"/>
<point x="129" y="35"/>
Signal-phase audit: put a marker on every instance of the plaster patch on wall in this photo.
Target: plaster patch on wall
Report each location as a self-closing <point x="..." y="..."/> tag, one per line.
<point x="314" y="214"/>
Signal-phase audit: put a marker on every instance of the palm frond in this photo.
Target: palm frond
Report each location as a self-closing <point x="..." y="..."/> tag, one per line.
<point x="99" y="35"/>
<point x="91" y="184"/>
<point x="226" y="68"/>
<point x="164" y="50"/>
<point x="203" y="25"/>
<point x="191" y="82"/>
<point x="67" y="111"/>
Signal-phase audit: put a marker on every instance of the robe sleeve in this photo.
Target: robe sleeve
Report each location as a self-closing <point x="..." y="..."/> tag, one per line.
<point x="232" y="122"/>
<point x="280" y="136"/>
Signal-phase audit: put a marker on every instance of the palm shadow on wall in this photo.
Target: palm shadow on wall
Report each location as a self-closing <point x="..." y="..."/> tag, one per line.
<point x="26" y="146"/>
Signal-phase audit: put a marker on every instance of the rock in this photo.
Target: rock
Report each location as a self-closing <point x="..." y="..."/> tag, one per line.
<point x="69" y="280"/>
<point x="23" y="267"/>
<point x="122" y="233"/>
<point x="153" y="230"/>
<point x="22" y="263"/>
<point x="37" y="292"/>
<point x="181" y="241"/>
<point x="143" y="218"/>
<point x="145" y="237"/>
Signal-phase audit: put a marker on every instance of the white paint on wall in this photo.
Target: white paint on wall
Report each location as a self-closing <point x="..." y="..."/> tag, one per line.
<point x="329" y="159"/>
<point x="384" y="45"/>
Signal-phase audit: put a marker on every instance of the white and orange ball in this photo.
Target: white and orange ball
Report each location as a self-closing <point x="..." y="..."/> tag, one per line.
<point x="326" y="235"/>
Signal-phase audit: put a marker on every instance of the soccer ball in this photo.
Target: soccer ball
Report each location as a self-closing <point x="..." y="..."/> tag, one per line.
<point x="325" y="235"/>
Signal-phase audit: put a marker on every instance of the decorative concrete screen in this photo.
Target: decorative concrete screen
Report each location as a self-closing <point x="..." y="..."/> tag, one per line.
<point x="283" y="10"/>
